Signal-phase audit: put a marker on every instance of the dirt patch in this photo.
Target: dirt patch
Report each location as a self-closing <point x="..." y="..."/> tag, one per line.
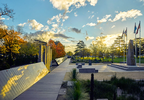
<point x="107" y="75"/>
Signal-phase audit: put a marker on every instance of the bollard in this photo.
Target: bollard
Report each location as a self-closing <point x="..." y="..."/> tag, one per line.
<point x="92" y="86"/>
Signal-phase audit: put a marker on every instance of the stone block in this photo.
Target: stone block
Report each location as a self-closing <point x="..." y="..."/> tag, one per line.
<point x="130" y="54"/>
<point x="87" y="70"/>
<point x="79" y="66"/>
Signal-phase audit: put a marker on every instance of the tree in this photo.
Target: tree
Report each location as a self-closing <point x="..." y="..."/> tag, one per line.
<point x="100" y="46"/>
<point x="51" y="43"/>
<point x="79" y="49"/>
<point x="69" y="53"/>
<point x="6" y="11"/>
<point x="87" y="52"/>
<point x="29" y="49"/>
<point x="60" y="50"/>
<point x="11" y="41"/>
<point x="94" y="50"/>
<point x="119" y="46"/>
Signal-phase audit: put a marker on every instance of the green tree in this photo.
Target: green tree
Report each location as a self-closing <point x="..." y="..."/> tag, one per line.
<point x="80" y="48"/>
<point x="119" y="46"/>
<point x="94" y="49"/>
<point x="101" y="46"/>
<point x="69" y="53"/>
<point x="29" y="49"/>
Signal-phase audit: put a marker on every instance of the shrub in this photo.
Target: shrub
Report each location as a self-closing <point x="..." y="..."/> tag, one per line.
<point x="101" y="89"/>
<point x="76" y="92"/>
<point x="73" y="75"/>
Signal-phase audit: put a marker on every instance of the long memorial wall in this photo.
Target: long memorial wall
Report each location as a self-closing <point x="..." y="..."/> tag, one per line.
<point x="16" y="80"/>
<point x="60" y="60"/>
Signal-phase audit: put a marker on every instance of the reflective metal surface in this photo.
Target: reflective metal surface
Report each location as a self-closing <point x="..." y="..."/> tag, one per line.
<point x="16" y="80"/>
<point x="60" y="60"/>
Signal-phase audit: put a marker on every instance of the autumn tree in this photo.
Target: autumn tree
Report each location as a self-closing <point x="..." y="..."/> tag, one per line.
<point x="60" y="50"/>
<point x="11" y="41"/>
<point x="51" y="43"/>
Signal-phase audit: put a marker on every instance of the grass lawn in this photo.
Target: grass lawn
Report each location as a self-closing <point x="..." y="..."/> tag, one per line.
<point x="116" y="59"/>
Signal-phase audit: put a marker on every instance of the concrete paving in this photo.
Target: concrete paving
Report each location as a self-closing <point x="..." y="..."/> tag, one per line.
<point x="48" y="87"/>
<point x="106" y="72"/>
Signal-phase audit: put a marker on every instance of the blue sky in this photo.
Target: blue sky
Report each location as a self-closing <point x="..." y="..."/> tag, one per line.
<point x="72" y="20"/>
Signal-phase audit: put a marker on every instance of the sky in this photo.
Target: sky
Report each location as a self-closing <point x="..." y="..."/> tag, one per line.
<point x="69" y="21"/>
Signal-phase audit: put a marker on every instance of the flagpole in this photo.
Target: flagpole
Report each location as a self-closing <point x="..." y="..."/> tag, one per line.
<point x="124" y="51"/>
<point x="140" y="45"/>
<point x="135" y="49"/>
<point x="126" y="47"/>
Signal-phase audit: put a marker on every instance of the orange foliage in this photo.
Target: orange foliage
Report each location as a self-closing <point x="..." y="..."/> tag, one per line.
<point x="12" y="41"/>
<point x="57" y="50"/>
<point x="53" y="47"/>
<point x="60" y="50"/>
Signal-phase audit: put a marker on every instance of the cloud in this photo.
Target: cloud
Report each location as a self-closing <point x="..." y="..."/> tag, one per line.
<point x="35" y="25"/>
<point x="76" y="30"/>
<point x="45" y="36"/>
<point x="107" y="39"/>
<point x="129" y="14"/>
<point x="101" y="28"/>
<point x="104" y="19"/>
<point x="61" y="36"/>
<point x="55" y="26"/>
<point x="116" y="11"/>
<point x="92" y="2"/>
<point x="91" y="24"/>
<point x="83" y="26"/>
<point x="74" y="41"/>
<point x="65" y="4"/>
<point x="45" y="28"/>
<point x="75" y="14"/>
<point x="89" y="38"/>
<point x="65" y="17"/>
<point x="113" y="26"/>
<point x="3" y="26"/>
<point x="1" y="18"/>
<point x="57" y="18"/>
<point x="49" y="21"/>
<point x="21" y="24"/>
<point x="70" y="48"/>
<point x="92" y="16"/>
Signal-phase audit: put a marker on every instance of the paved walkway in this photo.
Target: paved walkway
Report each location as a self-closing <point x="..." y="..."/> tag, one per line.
<point x="48" y="87"/>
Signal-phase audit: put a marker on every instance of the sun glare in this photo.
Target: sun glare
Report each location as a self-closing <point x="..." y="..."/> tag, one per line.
<point x="109" y="40"/>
